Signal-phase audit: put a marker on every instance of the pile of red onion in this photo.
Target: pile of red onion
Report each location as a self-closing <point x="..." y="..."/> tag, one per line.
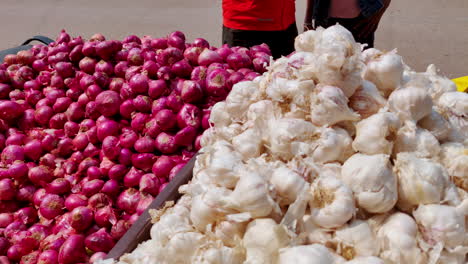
<point x="91" y="131"/>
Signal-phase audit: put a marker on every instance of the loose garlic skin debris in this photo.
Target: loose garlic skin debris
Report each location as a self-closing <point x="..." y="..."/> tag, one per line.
<point x="334" y="155"/>
<point x="372" y="180"/>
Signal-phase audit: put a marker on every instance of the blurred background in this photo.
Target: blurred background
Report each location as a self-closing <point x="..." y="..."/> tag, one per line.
<point x="423" y="31"/>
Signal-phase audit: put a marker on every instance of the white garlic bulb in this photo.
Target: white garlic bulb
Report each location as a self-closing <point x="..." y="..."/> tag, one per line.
<point x="385" y="70"/>
<point x="307" y="254"/>
<point x="372" y="180"/>
<point x="366" y="260"/>
<point x="334" y="144"/>
<point x="356" y="239"/>
<point x="410" y="103"/>
<point x="367" y="100"/>
<point x="287" y="184"/>
<point x="454" y="157"/>
<point x="419" y="141"/>
<point x="436" y="124"/>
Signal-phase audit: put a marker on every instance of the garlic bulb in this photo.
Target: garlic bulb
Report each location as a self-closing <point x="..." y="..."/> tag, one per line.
<point x="219" y="116"/>
<point x="366" y="260"/>
<point x="372" y="181"/>
<point x="369" y="54"/>
<point x="334" y="144"/>
<point x="208" y="207"/>
<point x="290" y="91"/>
<point x="436" y="124"/>
<point x="230" y="232"/>
<point x="307" y="40"/>
<point x="262" y="240"/>
<point x="385" y="70"/>
<point x="218" y="254"/>
<point x="454" y="157"/>
<point x="419" y="141"/>
<point x="182" y="247"/>
<point x="329" y="106"/>
<point x="239" y="99"/>
<point x="285" y="132"/>
<point x="375" y="134"/>
<point x="307" y="254"/>
<point x="356" y="239"/>
<point x="287" y="184"/>
<point x="454" y="107"/>
<point x="313" y="232"/>
<point x="442" y="224"/>
<point x="251" y="195"/>
<point x="225" y="163"/>
<point x="248" y="143"/>
<point x="332" y="202"/>
<point x="175" y="220"/>
<point x="367" y="100"/>
<point x="410" y="104"/>
<point x="397" y="237"/>
<point x="420" y="181"/>
<point x="439" y="85"/>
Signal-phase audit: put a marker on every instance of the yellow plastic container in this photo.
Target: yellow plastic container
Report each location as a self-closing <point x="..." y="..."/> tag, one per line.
<point x="462" y="83"/>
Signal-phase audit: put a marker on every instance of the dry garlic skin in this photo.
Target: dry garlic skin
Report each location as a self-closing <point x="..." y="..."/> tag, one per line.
<point x="356" y="239"/>
<point x="385" y="71"/>
<point x="436" y="124"/>
<point x="441" y="223"/>
<point x="290" y="91"/>
<point x="307" y="41"/>
<point x="410" y="103"/>
<point x="454" y="107"/>
<point x="420" y="181"/>
<point x="332" y="202"/>
<point x="329" y="105"/>
<point x="376" y="134"/>
<point x="225" y="164"/>
<point x="367" y="100"/>
<point x="307" y="254"/>
<point x="239" y="99"/>
<point x="397" y="237"/>
<point x="219" y="115"/>
<point x="248" y="143"/>
<point x="372" y="180"/>
<point x="262" y="240"/>
<point x="183" y="246"/>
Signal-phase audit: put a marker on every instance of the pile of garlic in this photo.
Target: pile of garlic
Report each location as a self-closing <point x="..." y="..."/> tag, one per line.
<point x="332" y="156"/>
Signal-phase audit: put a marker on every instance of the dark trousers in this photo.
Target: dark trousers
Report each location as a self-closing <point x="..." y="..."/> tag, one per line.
<point x="280" y="42"/>
<point x="355" y="26"/>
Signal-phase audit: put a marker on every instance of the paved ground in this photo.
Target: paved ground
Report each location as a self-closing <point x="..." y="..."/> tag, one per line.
<point x="423" y="31"/>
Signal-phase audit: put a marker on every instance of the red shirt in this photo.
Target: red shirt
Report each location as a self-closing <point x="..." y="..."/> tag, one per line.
<point x="261" y="15"/>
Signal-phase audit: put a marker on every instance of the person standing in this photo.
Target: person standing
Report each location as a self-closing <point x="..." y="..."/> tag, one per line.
<point x="252" y="22"/>
<point x="360" y="17"/>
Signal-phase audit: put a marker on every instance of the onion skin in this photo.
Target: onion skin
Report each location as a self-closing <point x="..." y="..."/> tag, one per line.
<point x="73" y="250"/>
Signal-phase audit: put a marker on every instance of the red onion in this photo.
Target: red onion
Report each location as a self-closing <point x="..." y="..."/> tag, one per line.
<point x="143" y="161"/>
<point x="238" y="60"/>
<point x="111" y="188"/>
<point x="87" y="64"/>
<point x="234" y="78"/>
<point x="4" y="245"/>
<point x="27" y="122"/>
<point x="71" y="129"/>
<point x="33" y="149"/>
<point x="162" y="167"/>
<point x="39" y="196"/>
<point x="119" y="229"/>
<point x="199" y="73"/>
<point x="132" y="178"/>
<point x="132" y="71"/>
<point x="135" y="57"/>
<point x="159" y="43"/>
<point x="26" y="215"/>
<point x="156" y="88"/>
<point x="75" y="54"/>
<point x="165" y="119"/>
<point x="107" y="128"/>
<point x="159" y="104"/>
<point x="73" y="250"/>
<point x="106" y="165"/>
<point x="73" y="93"/>
<point x="62" y="226"/>
<point x="144" y="145"/>
<point x="139" y="121"/>
<point x="5" y="89"/>
<point x="40" y="175"/>
<point x="65" y="147"/>
<point x="105" y="67"/>
<point x="110" y="147"/>
<point x="189" y="115"/>
<point x="93" y="173"/>
<point x="7" y="190"/>
<point x="182" y="68"/>
<point x="58" y="186"/>
<point x="151" y="68"/>
<point x="169" y="56"/>
<point x="10" y="110"/>
<point x="139" y="83"/>
<point x="108" y="103"/>
<point x="165" y="73"/>
<point x="208" y="57"/>
<point x="149" y="183"/>
<point x="125" y="157"/>
<point x="224" y="51"/>
<point x="90" y="151"/>
<point x="142" y="103"/>
<point x="99" y="241"/>
<point x="99" y="200"/>
<point x="81" y="218"/>
<point x="105" y="216"/>
<point x="57" y="121"/>
<point x="185" y="136"/>
<point x="87" y="124"/>
<point x="128" y="138"/>
<point x="15" y="139"/>
<point x="176" y="42"/>
<point x="191" y="91"/>
<point x="13" y="228"/>
<point x="16" y="252"/>
<point x="92" y="187"/>
<point x="75" y="200"/>
<point x="51" y="206"/>
<point x="165" y="143"/>
<point x="128" y="200"/>
<point x="206" y="119"/>
<point x="61" y="104"/>
<point x="144" y="202"/>
<point x="177" y="168"/>
<point x="216" y="82"/>
<point x="192" y="54"/>
<point x="200" y="42"/>
<point x="105" y="49"/>
<point x="64" y="69"/>
<point x="48" y="257"/>
<point x="6" y="219"/>
<point x="92" y="91"/>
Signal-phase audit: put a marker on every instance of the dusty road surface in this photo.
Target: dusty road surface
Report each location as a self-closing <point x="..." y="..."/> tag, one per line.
<point x="423" y="31"/>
